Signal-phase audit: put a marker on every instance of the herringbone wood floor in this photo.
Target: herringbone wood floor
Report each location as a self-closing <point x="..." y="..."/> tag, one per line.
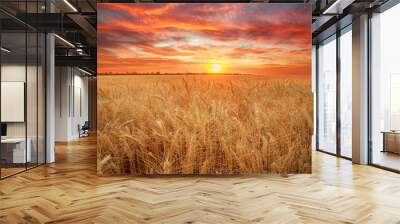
<point x="70" y="192"/>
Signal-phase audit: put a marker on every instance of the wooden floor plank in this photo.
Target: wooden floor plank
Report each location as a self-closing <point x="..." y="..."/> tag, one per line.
<point x="69" y="191"/>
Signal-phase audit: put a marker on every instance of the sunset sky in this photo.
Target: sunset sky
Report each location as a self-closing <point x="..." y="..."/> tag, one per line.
<point x="251" y="38"/>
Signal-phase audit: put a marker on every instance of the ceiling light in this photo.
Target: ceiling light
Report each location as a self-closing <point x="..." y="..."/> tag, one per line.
<point x="337" y="7"/>
<point x="79" y="51"/>
<point x="5" y="50"/>
<point x="86" y="72"/>
<point x="70" y="5"/>
<point x="334" y="5"/>
<point x="65" y="41"/>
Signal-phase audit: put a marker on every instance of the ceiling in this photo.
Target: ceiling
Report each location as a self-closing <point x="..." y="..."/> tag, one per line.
<point x="75" y="22"/>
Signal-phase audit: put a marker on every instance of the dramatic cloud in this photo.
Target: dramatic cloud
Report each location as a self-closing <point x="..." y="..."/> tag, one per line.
<point x="252" y="38"/>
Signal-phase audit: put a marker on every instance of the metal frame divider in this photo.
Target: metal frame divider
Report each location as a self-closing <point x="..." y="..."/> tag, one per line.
<point x="369" y="77"/>
<point x="338" y="79"/>
<point x="37" y="91"/>
<point x="45" y="90"/>
<point x="316" y="97"/>
<point x="0" y="91"/>
<point x="338" y="76"/>
<point x="26" y="87"/>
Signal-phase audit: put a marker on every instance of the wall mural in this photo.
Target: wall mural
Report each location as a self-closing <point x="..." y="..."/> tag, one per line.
<point x="204" y="88"/>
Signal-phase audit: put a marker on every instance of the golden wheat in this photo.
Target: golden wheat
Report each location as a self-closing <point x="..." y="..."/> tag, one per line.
<point x="203" y="125"/>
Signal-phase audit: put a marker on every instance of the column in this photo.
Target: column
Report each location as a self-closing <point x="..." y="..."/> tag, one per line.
<point x="360" y="90"/>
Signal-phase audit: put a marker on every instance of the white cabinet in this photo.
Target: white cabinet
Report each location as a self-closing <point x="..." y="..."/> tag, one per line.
<point x="17" y="146"/>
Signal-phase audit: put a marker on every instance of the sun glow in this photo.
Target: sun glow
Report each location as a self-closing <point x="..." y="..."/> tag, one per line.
<point x="216" y="68"/>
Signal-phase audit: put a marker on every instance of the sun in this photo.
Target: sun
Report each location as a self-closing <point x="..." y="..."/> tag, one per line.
<point x="216" y="68"/>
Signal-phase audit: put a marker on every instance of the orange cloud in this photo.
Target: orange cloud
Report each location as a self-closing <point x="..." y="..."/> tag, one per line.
<point x="249" y="38"/>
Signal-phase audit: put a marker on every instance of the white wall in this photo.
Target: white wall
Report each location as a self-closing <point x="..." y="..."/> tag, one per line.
<point x="33" y="127"/>
<point x="12" y="73"/>
<point x="70" y="84"/>
<point x="80" y="109"/>
<point x="62" y="82"/>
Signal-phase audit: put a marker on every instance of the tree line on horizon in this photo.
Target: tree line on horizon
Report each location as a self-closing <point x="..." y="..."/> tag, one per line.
<point x="169" y="73"/>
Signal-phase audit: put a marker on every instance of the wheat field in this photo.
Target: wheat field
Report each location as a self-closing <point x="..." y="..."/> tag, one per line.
<point x="203" y="124"/>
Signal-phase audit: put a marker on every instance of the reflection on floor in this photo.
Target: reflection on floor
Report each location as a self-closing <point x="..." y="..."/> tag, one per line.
<point x="12" y="169"/>
<point x="69" y="191"/>
<point x="387" y="159"/>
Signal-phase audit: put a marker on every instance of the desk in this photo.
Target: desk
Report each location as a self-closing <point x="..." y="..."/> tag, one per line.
<point x="13" y="150"/>
<point x="391" y="141"/>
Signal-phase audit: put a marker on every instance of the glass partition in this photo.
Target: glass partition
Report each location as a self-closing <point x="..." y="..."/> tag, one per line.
<point x="346" y="92"/>
<point x="13" y="94"/>
<point x="327" y="95"/>
<point x="22" y="88"/>
<point x="385" y="89"/>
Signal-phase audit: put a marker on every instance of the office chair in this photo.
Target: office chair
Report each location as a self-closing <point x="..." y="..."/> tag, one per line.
<point x="84" y="130"/>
